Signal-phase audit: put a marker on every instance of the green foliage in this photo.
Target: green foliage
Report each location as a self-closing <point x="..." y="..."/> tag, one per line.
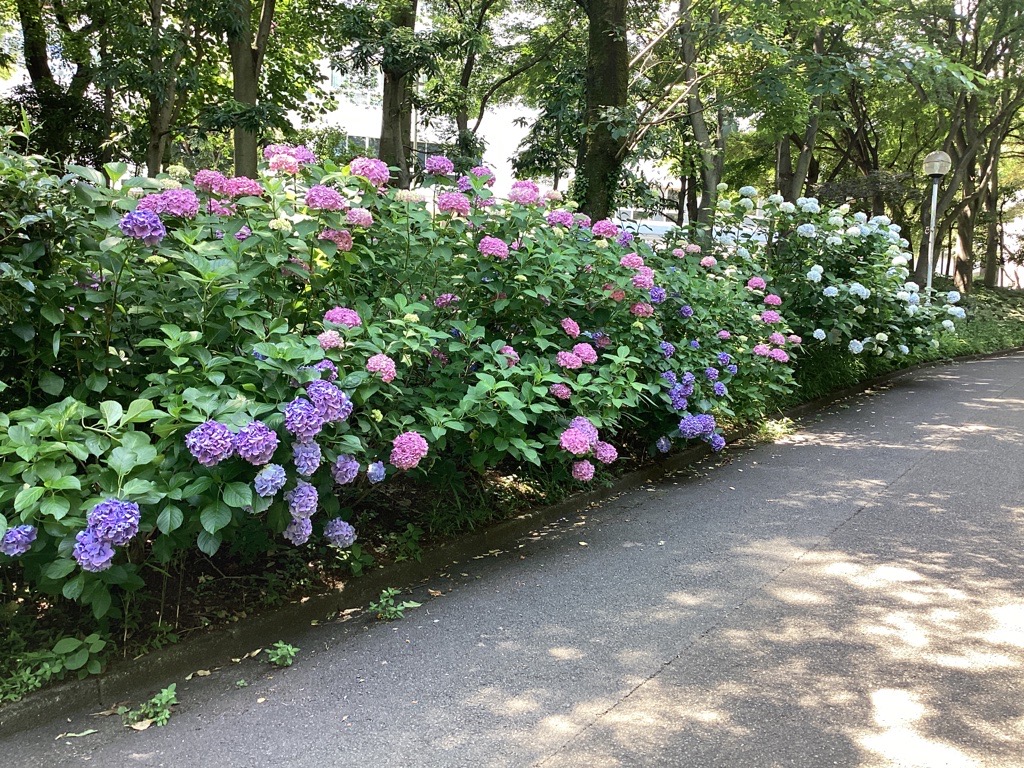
<point x="29" y="671"/>
<point x="155" y="711"/>
<point x="281" y="654"/>
<point x="388" y="609"/>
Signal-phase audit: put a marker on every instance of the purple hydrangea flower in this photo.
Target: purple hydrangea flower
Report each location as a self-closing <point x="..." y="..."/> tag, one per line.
<point x="697" y="426"/>
<point x="307" y="457"/>
<point x="211" y="443"/>
<point x="270" y="480"/>
<point x="18" y="540"/>
<point x="689" y="378"/>
<point x="586" y="427"/>
<point x="143" y="225"/>
<point x="376" y="472"/>
<point x="664" y="444"/>
<point x="256" y="443"/>
<point x="331" y="403"/>
<point x="667" y="349"/>
<point x="244" y="233"/>
<point x="724" y="358"/>
<point x="670" y="378"/>
<point x="330" y="367"/>
<point x="625" y="238"/>
<point x="302" y="499"/>
<point x="678" y="395"/>
<point x="686" y="311"/>
<point x="717" y="443"/>
<point x="439" y="165"/>
<point x="695" y="344"/>
<point x="732" y="369"/>
<point x="658" y="294"/>
<point x="345" y="469"/>
<point x="340" y="533"/>
<point x="298" y="531"/>
<point x="91" y="552"/>
<point x="583" y="471"/>
<point x="115" y="521"/>
<point x="303" y="419"/>
<point x="720" y="389"/>
<point x="711" y="374"/>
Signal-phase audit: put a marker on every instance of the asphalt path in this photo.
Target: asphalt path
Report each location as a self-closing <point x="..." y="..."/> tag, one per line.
<point x="852" y="595"/>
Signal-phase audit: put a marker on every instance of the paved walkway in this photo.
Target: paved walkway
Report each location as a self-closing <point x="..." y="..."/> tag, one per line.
<point x="850" y="596"/>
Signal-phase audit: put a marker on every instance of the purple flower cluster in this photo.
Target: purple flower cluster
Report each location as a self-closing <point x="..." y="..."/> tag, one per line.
<point x="301" y="154"/>
<point x="345" y="469"/>
<point x="439" y="165"/>
<point x="331" y="403"/>
<point x="658" y="294"/>
<point x="711" y="374"/>
<point x="340" y="237"/>
<point x="604" y="228"/>
<point x="307" y="457"/>
<point x="510" y="354"/>
<point x="771" y="316"/>
<point x="583" y="471"/>
<point x="605" y="452"/>
<point x="256" y="443"/>
<point x="303" y="419"/>
<point x="492" y="246"/>
<point x="407" y="450"/>
<point x="574" y="441"/>
<point x="269" y="480"/>
<point x="663" y="444"/>
<point x="91" y="552"/>
<point x="143" y="225"/>
<point x="374" y="171"/>
<point x="376" y="472"/>
<point x="685" y="311"/>
<point x="561" y="391"/>
<point x="182" y="203"/>
<point x="678" y="395"/>
<point x="524" y="193"/>
<point x="720" y="389"/>
<point x="453" y="202"/>
<point x="321" y="198"/>
<point x="211" y="443"/>
<point x="560" y="217"/>
<point x="724" y="358"/>
<point x="343" y="316"/>
<point x="298" y="530"/>
<point x="302" y="499"/>
<point x="17" y="540"/>
<point x="112" y="522"/>
<point x="732" y="369"/>
<point x="701" y="425"/>
<point x="667" y="349"/>
<point x="446" y="300"/>
<point x="670" y="377"/>
<point x="340" y="533"/>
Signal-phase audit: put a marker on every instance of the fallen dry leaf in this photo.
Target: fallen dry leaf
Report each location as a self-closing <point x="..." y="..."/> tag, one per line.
<point x="255" y="653"/>
<point x="260" y="700"/>
<point x="141" y="725"/>
<point x="111" y="711"/>
<point x="203" y="672"/>
<point x="75" y="735"/>
<point x="435" y="592"/>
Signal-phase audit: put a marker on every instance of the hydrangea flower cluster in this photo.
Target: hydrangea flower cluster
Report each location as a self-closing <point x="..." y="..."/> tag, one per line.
<point x="586" y="353"/>
<point x="605" y="228"/>
<point x="255" y="443"/>
<point x="111" y="523"/>
<point x="560" y="217"/>
<point x="181" y="203"/>
<point x="322" y="198"/>
<point x="17" y="540"/>
<point x="524" y="193"/>
<point x="561" y="391"/>
<point x="439" y="165"/>
<point x="570" y="327"/>
<point x="453" y="202"/>
<point x="343" y="316"/>
<point x="210" y="443"/>
<point x="446" y="300"/>
<point x="143" y="225"/>
<point x="510" y="355"/>
<point x="340" y="237"/>
<point x="345" y="469"/>
<point x="376" y="472"/>
<point x="373" y="170"/>
<point x="270" y="480"/>
<point x="383" y="365"/>
<point x="331" y="403"/>
<point x="307" y="457"/>
<point x="408" y="449"/>
<point x="359" y="217"/>
<point x="492" y="246"/>
<point x="340" y="533"/>
<point x="303" y="419"/>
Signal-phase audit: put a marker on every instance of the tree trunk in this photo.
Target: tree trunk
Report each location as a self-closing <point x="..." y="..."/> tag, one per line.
<point x="963" y="275"/>
<point x="34" y="43"/>
<point x="992" y="244"/>
<point x="396" y="116"/>
<point x="709" y="165"/>
<point x="606" y="94"/>
<point x="783" y="165"/>
<point x="162" y="97"/>
<point x="246" y="62"/>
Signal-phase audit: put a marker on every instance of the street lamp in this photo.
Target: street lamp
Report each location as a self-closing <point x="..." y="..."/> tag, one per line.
<point x="936" y="165"/>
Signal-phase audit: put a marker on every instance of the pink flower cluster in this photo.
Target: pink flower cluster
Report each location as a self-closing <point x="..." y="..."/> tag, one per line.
<point x="439" y="165"/>
<point x="644" y="278"/>
<point x="583" y="471"/>
<point x="569" y="360"/>
<point x="374" y="171"/>
<point x="772" y="300"/>
<point x="408" y="449"/>
<point x="605" y="228"/>
<point x="724" y="334"/>
<point x="285" y="164"/>
<point x="453" y="202"/>
<point x="217" y="183"/>
<point x="383" y="365"/>
<point x="511" y="356"/>
<point x="641" y="309"/>
<point x="301" y="154"/>
<point x="586" y="353"/>
<point x="632" y="261"/>
<point x="446" y="300"/>
<point x="524" y="193"/>
<point x="330" y="340"/>
<point x="756" y="283"/>
<point x="571" y="327"/>
<point x="321" y="198"/>
<point x="359" y="217"/>
<point x="708" y="262"/>
<point x="343" y="316"/>
<point x="778" y="355"/>
<point x="485" y="173"/>
<point x="761" y="350"/>
<point x="771" y="316"/>
<point x="492" y="246"/>
<point x="340" y="237"/>
<point x="560" y="217"/>
<point x="182" y="203"/>
<point x="561" y="391"/>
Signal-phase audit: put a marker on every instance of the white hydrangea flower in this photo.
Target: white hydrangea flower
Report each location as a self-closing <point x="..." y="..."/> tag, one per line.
<point x="883" y="337"/>
<point x="860" y="309"/>
<point x="724" y="204"/>
<point x="843" y="209"/>
<point x="722" y="186"/>
<point x="807" y="230"/>
<point x="836" y="221"/>
<point x="853" y="232"/>
<point x="748" y="191"/>
<point x="775" y="199"/>
<point x="902" y="295"/>
<point x="912" y="287"/>
<point x="860" y="217"/>
<point x="814" y="277"/>
<point x="904" y="349"/>
<point x="787" y="207"/>
<point x="746" y="203"/>
<point x="899" y="261"/>
<point x="833" y="240"/>
<point x="819" y="334"/>
<point x="953" y="297"/>
<point x="856" y="347"/>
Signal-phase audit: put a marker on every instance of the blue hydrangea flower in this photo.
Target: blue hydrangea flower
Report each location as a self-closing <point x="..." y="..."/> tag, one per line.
<point x="307" y="457"/>
<point x="667" y="349"/>
<point x="345" y="469"/>
<point x="689" y="378"/>
<point x="717" y="443"/>
<point x="340" y="533"/>
<point x="831" y="291"/>
<point x="331" y="403"/>
<point x="806" y="230"/>
<point x="664" y="444"/>
<point x="658" y="294"/>
<point x="330" y="367"/>
<point x="302" y="499"/>
<point x="670" y="378"/>
<point x="18" y="540"/>
<point x="856" y="347"/>
<point x="678" y="395"/>
<point x="697" y="426"/>
<point x="143" y="225"/>
<point x="720" y="389"/>
<point x="256" y="443"/>
<point x="302" y="419"/>
<point x="732" y="369"/>
<point x="724" y="358"/>
<point x="711" y="374"/>
<point x="686" y="311"/>
<point x="115" y="521"/>
<point x="298" y="531"/>
<point x="91" y="552"/>
<point x="624" y="238"/>
<point x="819" y="334"/>
<point x="270" y="480"/>
<point x="375" y="472"/>
<point x="695" y="344"/>
<point x="211" y="443"/>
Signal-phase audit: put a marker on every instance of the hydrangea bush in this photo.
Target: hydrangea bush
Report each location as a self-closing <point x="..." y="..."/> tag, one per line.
<point x="199" y="357"/>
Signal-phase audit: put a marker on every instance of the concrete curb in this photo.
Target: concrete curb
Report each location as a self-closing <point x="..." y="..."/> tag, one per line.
<point x="217" y="647"/>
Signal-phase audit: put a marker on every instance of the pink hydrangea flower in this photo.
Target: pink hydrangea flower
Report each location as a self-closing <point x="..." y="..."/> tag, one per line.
<point x="679" y="253"/>
<point x="794" y="339"/>
<point x="569" y="360"/>
<point x="583" y="471"/>
<point x="585" y="352"/>
<point x="632" y="261"/>
<point x="574" y="441"/>
<point x="708" y="261"/>
<point x="756" y="284"/>
<point x="561" y="391"/>
<point x="453" y="202"/>
<point x="761" y="350"/>
<point x="604" y="228"/>
<point x="485" y="173"/>
<point x="330" y="340"/>
<point x="340" y="237"/>
<point x="207" y="181"/>
<point x="383" y="365"/>
<point x="321" y="198"/>
<point x="492" y="246"/>
<point x="582" y="220"/>
<point x="605" y="452"/>
<point x="240" y="186"/>
<point x="777" y="338"/>
<point x="374" y="171"/>
<point x="524" y="193"/>
<point x="771" y="316"/>
<point x="778" y="355"/>
<point x="511" y="356"/>
<point x="618" y="295"/>
<point x="439" y="165"/>
<point x="724" y="334"/>
<point x="359" y="217"/>
<point x="182" y="203"/>
<point x="408" y="449"/>
<point x="560" y="217"/>
<point x="693" y="248"/>
<point x="343" y="316"/>
<point x="285" y="164"/>
<point x="640" y="309"/>
<point x="301" y="153"/>
<point x="644" y="278"/>
<point x="772" y="300"/>
<point x="570" y="327"/>
<point x="219" y="208"/>
<point x="446" y="300"/>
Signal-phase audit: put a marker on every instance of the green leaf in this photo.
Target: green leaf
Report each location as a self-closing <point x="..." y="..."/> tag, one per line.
<point x="73" y="587"/>
<point x="112" y="412"/>
<point x="122" y="460"/>
<point x="215" y="516"/>
<point x="169" y="519"/>
<point x="97" y="382"/>
<point x="58" y="569"/>
<point x="141" y="410"/>
<point x="89" y="174"/>
<point x="65" y="483"/>
<point x="50" y="383"/>
<point x="27" y="498"/>
<point x="78" y="658"/>
<point x="238" y="495"/>
<point x="208" y="543"/>
<point x="101" y="603"/>
<point x="66" y="645"/>
<point x="53" y="314"/>
<point x="55" y="506"/>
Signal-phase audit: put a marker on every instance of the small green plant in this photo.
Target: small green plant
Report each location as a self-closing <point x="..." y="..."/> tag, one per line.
<point x="407" y="543"/>
<point x="281" y="654"/>
<point x="388" y="609"/>
<point x="241" y="683"/>
<point x="156" y="711"/>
